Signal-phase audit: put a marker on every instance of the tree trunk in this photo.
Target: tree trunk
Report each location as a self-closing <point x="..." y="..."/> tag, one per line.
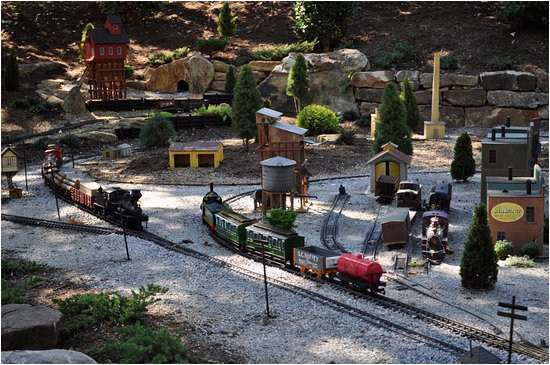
<point x="299" y="105"/>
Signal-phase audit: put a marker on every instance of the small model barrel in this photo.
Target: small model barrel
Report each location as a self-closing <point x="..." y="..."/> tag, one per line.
<point x="278" y="174"/>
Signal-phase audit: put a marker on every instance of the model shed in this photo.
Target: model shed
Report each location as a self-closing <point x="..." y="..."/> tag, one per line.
<point x="396" y="225"/>
<point x="391" y="162"/>
<point x="195" y="154"/>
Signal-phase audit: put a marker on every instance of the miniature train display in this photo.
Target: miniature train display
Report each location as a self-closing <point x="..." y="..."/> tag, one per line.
<point x="288" y="248"/>
<point x="385" y="188"/>
<point x="117" y="205"/>
<point x="435" y="223"/>
<point x="409" y="195"/>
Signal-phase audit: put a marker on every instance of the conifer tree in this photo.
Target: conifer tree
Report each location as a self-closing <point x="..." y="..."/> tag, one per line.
<point x="479" y="268"/>
<point x="463" y="165"/>
<point x="392" y="126"/>
<point x="230" y="80"/>
<point x="246" y="101"/>
<point x="11" y="78"/>
<point x="297" y="84"/>
<point x="411" y="107"/>
<point x="226" y="21"/>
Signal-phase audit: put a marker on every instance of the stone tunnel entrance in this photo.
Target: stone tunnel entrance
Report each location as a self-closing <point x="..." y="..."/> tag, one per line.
<point x="183" y="86"/>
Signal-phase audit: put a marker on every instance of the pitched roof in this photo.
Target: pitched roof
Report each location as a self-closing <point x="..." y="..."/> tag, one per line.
<point x="289" y="128"/>
<point x="401" y="156"/>
<point x="10" y="149"/>
<point x="102" y="36"/>
<point x="270" y="113"/>
<point x="195" y="146"/>
<point x="114" y="19"/>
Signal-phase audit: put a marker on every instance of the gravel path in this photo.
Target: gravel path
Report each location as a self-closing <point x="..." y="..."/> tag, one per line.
<point x="228" y="308"/>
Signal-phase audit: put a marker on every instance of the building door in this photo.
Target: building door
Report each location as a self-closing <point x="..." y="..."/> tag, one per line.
<point x="182" y="161"/>
<point x="206" y="160"/>
<point x="436" y="133"/>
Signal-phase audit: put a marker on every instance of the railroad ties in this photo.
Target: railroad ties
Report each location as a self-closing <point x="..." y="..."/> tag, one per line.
<point x="329" y="230"/>
<point x="373" y="238"/>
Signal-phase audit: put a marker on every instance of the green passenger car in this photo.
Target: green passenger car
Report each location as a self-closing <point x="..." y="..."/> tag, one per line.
<point x="277" y="242"/>
<point x="231" y="226"/>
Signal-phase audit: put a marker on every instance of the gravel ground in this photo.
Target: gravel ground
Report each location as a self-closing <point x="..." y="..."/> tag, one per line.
<point x="228" y="308"/>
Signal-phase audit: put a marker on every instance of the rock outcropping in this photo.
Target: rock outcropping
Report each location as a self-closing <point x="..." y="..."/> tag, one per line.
<point x="46" y="357"/>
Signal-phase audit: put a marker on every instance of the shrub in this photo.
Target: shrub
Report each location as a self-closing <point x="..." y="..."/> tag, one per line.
<point x="347" y="136"/>
<point x="517" y="261"/>
<point x="128" y="71"/>
<point x="223" y="110"/>
<point x="365" y="122"/>
<point x="83" y="310"/>
<point x="479" y="265"/>
<point x="70" y="140"/>
<point x="530" y="249"/>
<point x="211" y="46"/>
<point x="281" y="218"/>
<point x="297" y="84"/>
<point x="448" y="63"/>
<point x="230" y="80"/>
<point x="181" y="52"/>
<point x="503" y="249"/>
<point x="159" y="58"/>
<point x="226" y="21"/>
<point x="17" y="267"/>
<point x="326" y="21"/>
<point x="11" y="77"/>
<point x="12" y="294"/>
<point x="246" y="101"/>
<point x="411" y="107"/>
<point x="402" y="53"/>
<point x="522" y="14"/>
<point x="501" y="64"/>
<point x="14" y="268"/>
<point x="157" y="130"/>
<point x="463" y="165"/>
<point x="279" y="52"/>
<point x="131" y="11"/>
<point x="351" y="115"/>
<point x="41" y="143"/>
<point x="143" y="345"/>
<point x="317" y="119"/>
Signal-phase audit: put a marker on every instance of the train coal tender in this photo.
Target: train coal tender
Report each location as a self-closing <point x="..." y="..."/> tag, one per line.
<point x="288" y="248"/>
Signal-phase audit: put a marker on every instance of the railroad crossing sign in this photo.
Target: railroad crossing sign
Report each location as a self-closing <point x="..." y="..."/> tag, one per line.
<point x="513" y="306"/>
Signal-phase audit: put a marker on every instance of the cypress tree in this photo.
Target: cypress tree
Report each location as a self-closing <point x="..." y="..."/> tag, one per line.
<point x="479" y="268"/>
<point x="463" y="165"/>
<point x="409" y="100"/>
<point x="392" y="126"/>
<point x="297" y="84"/>
<point x="11" y="79"/>
<point x="226" y="21"/>
<point x="246" y="101"/>
<point x="230" y="81"/>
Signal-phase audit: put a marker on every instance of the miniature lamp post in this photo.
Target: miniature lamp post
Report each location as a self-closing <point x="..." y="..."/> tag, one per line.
<point x="265" y="283"/>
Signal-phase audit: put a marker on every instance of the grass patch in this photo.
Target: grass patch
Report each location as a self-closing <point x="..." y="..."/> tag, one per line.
<point x="279" y="52"/>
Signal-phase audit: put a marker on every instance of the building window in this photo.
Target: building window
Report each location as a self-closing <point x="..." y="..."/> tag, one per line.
<point x="119" y="51"/>
<point x="501" y="236"/>
<point x="492" y="156"/>
<point x="115" y="26"/>
<point x="110" y="51"/>
<point x="530" y="214"/>
<point x="101" y="51"/>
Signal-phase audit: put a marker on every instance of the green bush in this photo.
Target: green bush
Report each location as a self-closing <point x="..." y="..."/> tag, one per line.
<point x="523" y="14"/>
<point x="83" y="310"/>
<point x="132" y="11"/>
<point x="230" y="80"/>
<point x="18" y="267"/>
<point x="41" y="144"/>
<point x="279" y="52"/>
<point x="157" y="130"/>
<point x="159" y="58"/>
<point x="448" y="63"/>
<point x="39" y="106"/>
<point x="226" y="21"/>
<point x="347" y="136"/>
<point x="463" y="165"/>
<point x="317" y="119"/>
<point x="12" y="294"/>
<point x="350" y="115"/>
<point x="181" y="52"/>
<point x="364" y="122"/>
<point x="143" y="345"/>
<point x="503" y="249"/>
<point x="530" y="249"/>
<point x="211" y="46"/>
<point x="402" y="53"/>
<point x="128" y="71"/>
<point x="223" y="110"/>
<point x="411" y="107"/>
<point x="70" y="140"/>
<point x="517" y="261"/>
<point x="501" y="64"/>
<point x="281" y="218"/>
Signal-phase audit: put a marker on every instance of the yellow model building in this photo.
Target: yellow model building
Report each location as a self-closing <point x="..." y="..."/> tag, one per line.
<point x="195" y="154"/>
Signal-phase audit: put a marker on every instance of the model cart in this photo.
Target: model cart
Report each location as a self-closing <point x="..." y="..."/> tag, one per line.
<point x="396" y="226"/>
<point x="316" y="260"/>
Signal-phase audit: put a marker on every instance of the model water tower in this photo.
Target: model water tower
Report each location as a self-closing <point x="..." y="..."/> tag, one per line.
<point x="277" y="182"/>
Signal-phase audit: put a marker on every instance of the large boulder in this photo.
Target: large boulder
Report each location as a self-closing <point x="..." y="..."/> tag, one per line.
<point x="452" y="116"/>
<point x="542" y="81"/>
<point x="425" y="97"/>
<point x="328" y="75"/>
<point x="448" y="79"/>
<point x="220" y="66"/>
<point x="28" y="327"/>
<point x="75" y="102"/>
<point x="105" y="137"/>
<point x="263" y="66"/>
<point x="514" y="99"/>
<point x="488" y="116"/>
<point x="372" y="95"/>
<point x="508" y="80"/>
<point x="56" y="356"/>
<point x="400" y="76"/>
<point x="40" y="69"/>
<point x="471" y="97"/>
<point x="194" y="69"/>
<point x="373" y="79"/>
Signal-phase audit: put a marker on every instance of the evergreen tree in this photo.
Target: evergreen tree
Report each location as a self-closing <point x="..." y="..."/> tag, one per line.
<point x="463" y="165"/>
<point x="297" y="85"/>
<point x="11" y="78"/>
<point x="230" y="80"/>
<point x="409" y="100"/>
<point x="392" y="126"/>
<point x="246" y="101"/>
<point x="158" y="129"/>
<point x="479" y="268"/>
<point x="226" y="21"/>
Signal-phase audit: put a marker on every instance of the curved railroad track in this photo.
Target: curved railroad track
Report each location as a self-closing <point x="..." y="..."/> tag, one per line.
<point x="373" y="238"/>
<point x="329" y="230"/>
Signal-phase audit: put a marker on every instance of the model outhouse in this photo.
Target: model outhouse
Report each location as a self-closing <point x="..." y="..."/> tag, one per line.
<point x="9" y="161"/>
<point x="122" y="150"/>
<point x="195" y="154"/>
<point x="391" y="162"/>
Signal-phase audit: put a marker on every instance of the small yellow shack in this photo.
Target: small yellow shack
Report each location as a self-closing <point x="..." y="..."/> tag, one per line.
<point x="9" y="161"/>
<point x="195" y="154"/>
<point x="390" y="161"/>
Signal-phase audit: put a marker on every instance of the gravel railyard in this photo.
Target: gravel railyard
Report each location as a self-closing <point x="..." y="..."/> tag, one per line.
<point x="228" y="308"/>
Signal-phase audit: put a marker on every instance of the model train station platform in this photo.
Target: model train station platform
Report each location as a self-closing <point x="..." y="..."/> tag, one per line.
<point x="195" y="154"/>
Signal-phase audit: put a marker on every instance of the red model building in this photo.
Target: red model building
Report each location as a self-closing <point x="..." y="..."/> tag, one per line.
<point x="105" y="53"/>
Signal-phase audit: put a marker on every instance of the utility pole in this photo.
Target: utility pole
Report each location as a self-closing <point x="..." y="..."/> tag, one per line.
<point x="513" y="306"/>
<point x="265" y="283"/>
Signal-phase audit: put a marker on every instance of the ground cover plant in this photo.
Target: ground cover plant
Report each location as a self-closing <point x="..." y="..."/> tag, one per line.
<point x="211" y="46"/>
<point x="18" y="276"/>
<point x="387" y="60"/>
<point x="277" y="53"/>
<point x="520" y="261"/>
<point x="224" y="111"/>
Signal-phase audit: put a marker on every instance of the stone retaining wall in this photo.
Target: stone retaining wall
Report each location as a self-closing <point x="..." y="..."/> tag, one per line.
<point x="465" y="100"/>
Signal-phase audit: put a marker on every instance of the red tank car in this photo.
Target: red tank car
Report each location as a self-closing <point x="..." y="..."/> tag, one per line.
<point x="363" y="273"/>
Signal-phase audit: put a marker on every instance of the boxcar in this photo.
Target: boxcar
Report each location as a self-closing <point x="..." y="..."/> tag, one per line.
<point x="278" y="243"/>
<point x="396" y="226"/>
<point x="84" y="193"/>
<point x="409" y="195"/>
<point x="316" y="260"/>
<point x="385" y="188"/>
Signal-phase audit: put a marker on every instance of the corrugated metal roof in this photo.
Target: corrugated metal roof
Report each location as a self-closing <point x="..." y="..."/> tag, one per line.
<point x="102" y="36"/>
<point x="289" y="128"/>
<point x="278" y="161"/>
<point x="396" y="215"/>
<point x="270" y="113"/>
<point x="195" y="146"/>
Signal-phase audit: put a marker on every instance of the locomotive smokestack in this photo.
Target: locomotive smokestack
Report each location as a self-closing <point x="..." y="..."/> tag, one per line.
<point x="211" y="187"/>
<point x="503" y="131"/>
<point x="493" y="134"/>
<point x="528" y="187"/>
<point x="510" y="168"/>
<point x="508" y="121"/>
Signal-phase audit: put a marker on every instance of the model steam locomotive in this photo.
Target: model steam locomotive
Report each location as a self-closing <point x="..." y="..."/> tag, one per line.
<point x="113" y="204"/>
<point x="287" y="247"/>
<point x="435" y="223"/>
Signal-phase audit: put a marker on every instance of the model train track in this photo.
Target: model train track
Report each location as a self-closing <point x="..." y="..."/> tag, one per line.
<point x="329" y="230"/>
<point x="373" y="238"/>
<point x="258" y="277"/>
<point x="61" y="225"/>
